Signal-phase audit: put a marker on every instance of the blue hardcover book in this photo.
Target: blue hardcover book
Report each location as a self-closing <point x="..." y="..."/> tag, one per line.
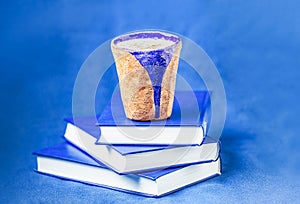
<point x="67" y="162"/>
<point x="133" y="158"/>
<point x="186" y="126"/>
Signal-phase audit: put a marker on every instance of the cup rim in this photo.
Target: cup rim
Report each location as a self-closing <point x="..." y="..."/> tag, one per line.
<point x="145" y="34"/>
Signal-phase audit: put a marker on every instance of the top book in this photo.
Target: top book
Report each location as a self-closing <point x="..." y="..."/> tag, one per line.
<point x="186" y="126"/>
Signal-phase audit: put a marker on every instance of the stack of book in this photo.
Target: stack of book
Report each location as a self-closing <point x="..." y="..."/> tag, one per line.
<point x="147" y="158"/>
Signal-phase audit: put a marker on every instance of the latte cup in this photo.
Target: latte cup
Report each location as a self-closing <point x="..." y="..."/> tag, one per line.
<point x="147" y="64"/>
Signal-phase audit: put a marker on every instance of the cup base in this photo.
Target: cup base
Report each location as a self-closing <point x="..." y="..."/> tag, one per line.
<point x="148" y="120"/>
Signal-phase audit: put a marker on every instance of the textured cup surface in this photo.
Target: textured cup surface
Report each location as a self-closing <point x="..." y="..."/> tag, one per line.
<point x="147" y="64"/>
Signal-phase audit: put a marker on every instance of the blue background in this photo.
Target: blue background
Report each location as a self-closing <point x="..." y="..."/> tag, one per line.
<point x="254" y="44"/>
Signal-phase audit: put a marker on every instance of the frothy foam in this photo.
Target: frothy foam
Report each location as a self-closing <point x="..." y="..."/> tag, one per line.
<point x="145" y="44"/>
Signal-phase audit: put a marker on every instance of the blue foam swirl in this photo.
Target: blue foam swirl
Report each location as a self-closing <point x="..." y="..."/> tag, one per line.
<point x="156" y="63"/>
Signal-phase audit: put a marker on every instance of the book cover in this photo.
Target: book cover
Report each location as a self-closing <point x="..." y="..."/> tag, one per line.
<point x="68" y="162"/>
<point x="189" y="109"/>
<point x="186" y="126"/>
<point x="124" y="159"/>
<point x="88" y="125"/>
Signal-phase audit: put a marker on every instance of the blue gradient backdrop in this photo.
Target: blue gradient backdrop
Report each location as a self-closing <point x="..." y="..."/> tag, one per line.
<point x="255" y="45"/>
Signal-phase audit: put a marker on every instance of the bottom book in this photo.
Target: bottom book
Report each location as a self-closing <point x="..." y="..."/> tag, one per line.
<point x="67" y="162"/>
